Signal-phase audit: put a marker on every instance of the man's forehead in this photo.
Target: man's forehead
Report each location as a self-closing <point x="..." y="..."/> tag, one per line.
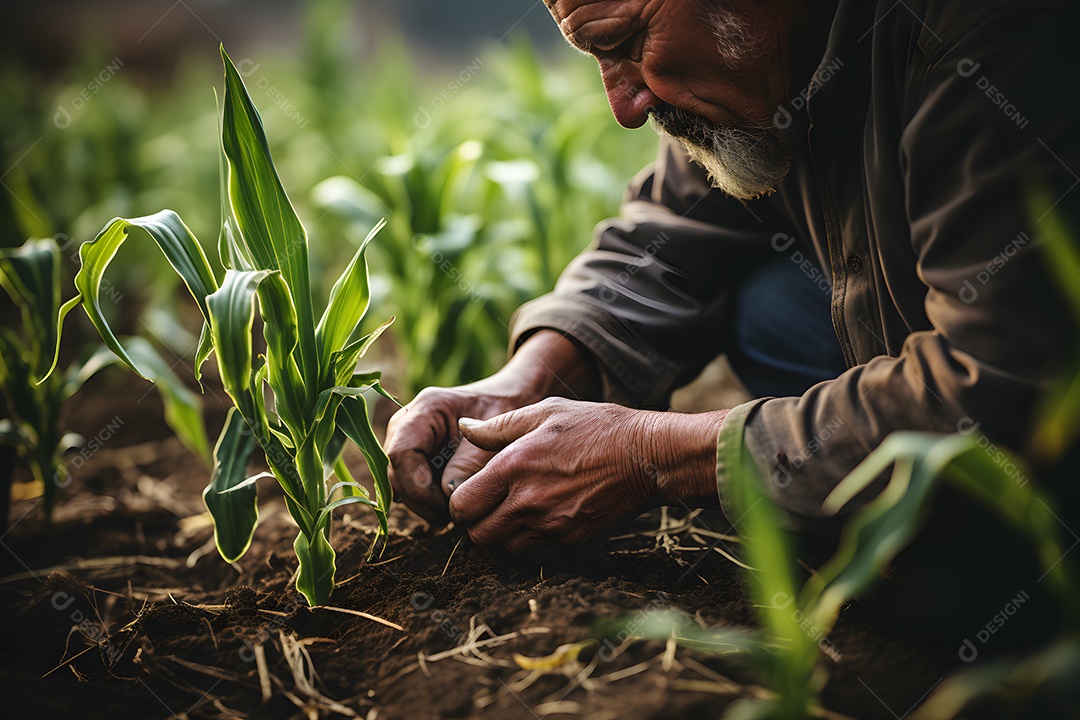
<point x="592" y="21"/>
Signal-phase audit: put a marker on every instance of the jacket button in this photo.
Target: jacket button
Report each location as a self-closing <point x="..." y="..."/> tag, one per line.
<point x="854" y="263"/>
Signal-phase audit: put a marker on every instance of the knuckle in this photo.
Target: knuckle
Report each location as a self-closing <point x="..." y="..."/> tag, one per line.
<point x="424" y="395"/>
<point x="560" y="524"/>
<point x="551" y="403"/>
<point x="431" y="397"/>
<point x="528" y="500"/>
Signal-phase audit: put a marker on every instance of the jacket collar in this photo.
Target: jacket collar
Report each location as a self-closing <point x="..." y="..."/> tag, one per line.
<point x="844" y="71"/>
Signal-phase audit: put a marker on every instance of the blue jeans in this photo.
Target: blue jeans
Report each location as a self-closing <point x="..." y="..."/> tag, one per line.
<point x="784" y="341"/>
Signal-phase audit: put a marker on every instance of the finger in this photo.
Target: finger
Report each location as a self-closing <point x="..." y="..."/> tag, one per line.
<point x="414" y="485"/>
<point x="501" y="524"/>
<point x="498" y="432"/>
<point x="466" y="462"/>
<point x="410" y="441"/>
<point x="480" y="495"/>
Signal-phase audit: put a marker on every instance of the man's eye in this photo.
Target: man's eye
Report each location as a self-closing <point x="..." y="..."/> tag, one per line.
<point x="635" y="46"/>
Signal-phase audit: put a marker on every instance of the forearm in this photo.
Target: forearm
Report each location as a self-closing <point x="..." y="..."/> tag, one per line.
<point x="548" y="364"/>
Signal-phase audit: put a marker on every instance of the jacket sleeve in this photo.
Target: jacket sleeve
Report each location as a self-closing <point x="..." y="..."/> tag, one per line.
<point x="651" y="298"/>
<point x="1001" y="331"/>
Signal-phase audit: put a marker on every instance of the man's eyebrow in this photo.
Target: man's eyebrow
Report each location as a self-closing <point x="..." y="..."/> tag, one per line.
<point x="600" y="33"/>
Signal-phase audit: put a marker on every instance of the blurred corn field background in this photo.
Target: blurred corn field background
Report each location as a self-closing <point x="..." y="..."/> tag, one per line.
<point x="485" y="143"/>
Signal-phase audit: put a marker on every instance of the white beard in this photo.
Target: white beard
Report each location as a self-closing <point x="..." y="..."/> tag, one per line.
<point x="743" y="164"/>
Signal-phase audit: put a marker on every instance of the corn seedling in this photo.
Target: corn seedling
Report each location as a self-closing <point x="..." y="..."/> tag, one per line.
<point x="309" y="363"/>
<point x="796" y="622"/>
<point x="30" y="275"/>
<point x="880" y="530"/>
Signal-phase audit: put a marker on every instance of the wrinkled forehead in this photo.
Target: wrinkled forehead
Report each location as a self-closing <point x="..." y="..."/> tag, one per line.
<point x="586" y="23"/>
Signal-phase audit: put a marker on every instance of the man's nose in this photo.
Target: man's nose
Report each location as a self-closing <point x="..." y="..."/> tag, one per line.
<point x="628" y="95"/>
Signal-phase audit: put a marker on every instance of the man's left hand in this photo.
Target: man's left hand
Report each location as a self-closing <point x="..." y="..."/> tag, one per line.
<point x="566" y="470"/>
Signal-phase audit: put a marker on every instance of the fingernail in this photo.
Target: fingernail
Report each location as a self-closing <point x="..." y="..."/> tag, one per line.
<point x="469" y="423"/>
<point x="452" y="485"/>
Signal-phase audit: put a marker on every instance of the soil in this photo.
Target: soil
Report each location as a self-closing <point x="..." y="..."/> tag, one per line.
<point x="123" y="608"/>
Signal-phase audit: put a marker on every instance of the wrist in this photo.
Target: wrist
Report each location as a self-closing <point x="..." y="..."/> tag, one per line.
<point x="547" y="364"/>
<point x="684" y="448"/>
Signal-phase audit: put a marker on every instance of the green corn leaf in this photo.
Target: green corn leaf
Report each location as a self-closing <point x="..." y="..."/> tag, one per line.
<point x="247" y="482"/>
<point x="283" y="435"/>
<point x="315" y="581"/>
<point x="343" y="362"/>
<point x="334" y="463"/>
<point x="300" y="514"/>
<point x="283" y="374"/>
<point x="325" y="423"/>
<point x="277" y="445"/>
<point x="351" y="487"/>
<point x="309" y="464"/>
<point x="888" y="523"/>
<point x="27" y="401"/>
<point x="235" y="514"/>
<point x="77" y="374"/>
<point x="177" y="243"/>
<point x="884" y="526"/>
<point x="332" y="451"/>
<point x="327" y="512"/>
<point x="348" y="488"/>
<point x="1016" y="681"/>
<point x="352" y="418"/>
<point x="1062" y="253"/>
<point x="31" y="276"/>
<point x="232" y="253"/>
<point x="203" y="350"/>
<point x="321" y="434"/>
<point x="365" y="380"/>
<point x="268" y="226"/>
<point x="183" y="408"/>
<point x="773" y="585"/>
<point x="1024" y="506"/>
<point x="232" y="313"/>
<point x="347" y="305"/>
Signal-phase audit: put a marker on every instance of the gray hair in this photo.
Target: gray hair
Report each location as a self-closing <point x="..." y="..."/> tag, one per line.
<point x="734" y="37"/>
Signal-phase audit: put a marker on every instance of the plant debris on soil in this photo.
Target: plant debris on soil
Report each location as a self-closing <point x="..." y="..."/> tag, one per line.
<point x="123" y="608"/>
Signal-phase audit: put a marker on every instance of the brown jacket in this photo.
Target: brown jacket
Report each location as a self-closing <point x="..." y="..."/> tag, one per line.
<point x="930" y="123"/>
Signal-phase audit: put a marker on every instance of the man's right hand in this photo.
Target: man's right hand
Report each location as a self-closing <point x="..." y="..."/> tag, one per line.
<point x="429" y="458"/>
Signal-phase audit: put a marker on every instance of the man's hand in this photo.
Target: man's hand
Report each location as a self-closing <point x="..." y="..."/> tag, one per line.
<point x="565" y="470"/>
<point x="427" y="451"/>
<point x="427" y="454"/>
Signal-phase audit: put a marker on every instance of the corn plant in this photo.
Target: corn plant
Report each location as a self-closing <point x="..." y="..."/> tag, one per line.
<point x="309" y="363"/>
<point x="796" y="622"/>
<point x="30" y="275"/>
<point x="878" y="532"/>
<point x="441" y="240"/>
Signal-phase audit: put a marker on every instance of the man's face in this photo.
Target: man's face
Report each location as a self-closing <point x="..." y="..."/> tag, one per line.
<point x="710" y="73"/>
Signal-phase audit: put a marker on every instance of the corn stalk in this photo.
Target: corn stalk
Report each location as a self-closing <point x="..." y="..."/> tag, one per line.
<point x="309" y="362"/>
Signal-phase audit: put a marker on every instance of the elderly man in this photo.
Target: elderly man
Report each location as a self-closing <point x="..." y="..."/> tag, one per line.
<point x="843" y="203"/>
